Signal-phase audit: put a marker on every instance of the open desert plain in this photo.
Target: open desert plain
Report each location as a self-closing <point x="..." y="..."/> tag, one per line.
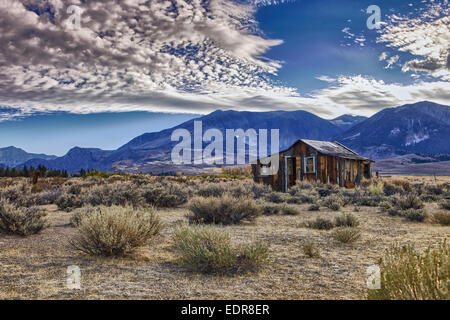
<point x="221" y="237"/>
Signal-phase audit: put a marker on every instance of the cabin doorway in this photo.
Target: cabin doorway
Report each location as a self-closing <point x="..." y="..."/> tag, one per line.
<point x="367" y="174"/>
<point x="290" y="172"/>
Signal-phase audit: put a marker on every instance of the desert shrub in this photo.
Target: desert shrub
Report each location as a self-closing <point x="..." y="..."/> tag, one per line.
<point x="411" y="201"/>
<point x="276" y="197"/>
<point x="445" y="204"/>
<point x="403" y="183"/>
<point x="346" y="220"/>
<point x="68" y="202"/>
<point x="376" y="188"/>
<point x="301" y="198"/>
<point x="124" y="194"/>
<point x="268" y="208"/>
<point x="314" y="207"/>
<point x="206" y="249"/>
<point x="442" y="217"/>
<point x="429" y="197"/>
<point x="417" y="215"/>
<point x="385" y="206"/>
<point x="165" y="196"/>
<point x="346" y="234"/>
<point x="79" y="214"/>
<point x="391" y="189"/>
<point x="289" y="210"/>
<point x="407" y="274"/>
<point x="115" y="230"/>
<point x="212" y="190"/>
<point x="223" y="210"/>
<point x="259" y="190"/>
<point x="74" y="189"/>
<point x="368" y="200"/>
<point x="333" y="202"/>
<point x="20" y="221"/>
<point x="324" y="192"/>
<point x="433" y="189"/>
<point x="116" y="194"/>
<point x="320" y="224"/>
<point x="13" y="193"/>
<point x="310" y="249"/>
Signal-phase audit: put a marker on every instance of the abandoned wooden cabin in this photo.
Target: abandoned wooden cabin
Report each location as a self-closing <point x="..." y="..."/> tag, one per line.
<point x="312" y="160"/>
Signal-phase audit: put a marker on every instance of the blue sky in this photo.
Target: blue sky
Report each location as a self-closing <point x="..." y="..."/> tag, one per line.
<point x="131" y="67"/>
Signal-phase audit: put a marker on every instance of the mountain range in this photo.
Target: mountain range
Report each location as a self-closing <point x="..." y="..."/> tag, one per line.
<point x="422" y="128"/>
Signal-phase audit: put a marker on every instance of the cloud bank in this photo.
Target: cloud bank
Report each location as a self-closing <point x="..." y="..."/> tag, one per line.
<point x="184" y="56"/>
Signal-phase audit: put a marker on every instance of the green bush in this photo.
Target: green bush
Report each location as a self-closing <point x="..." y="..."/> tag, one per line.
<point x="115" y="230"/>
<point x="346" y="220"/>
<point x="225" y="209"/>
<point x="407" y="274"/>
<point x="346" y="234"/>
<point x="20" y="221"/>
<point x="207" y="249"/>
<point x="376" y="188"/>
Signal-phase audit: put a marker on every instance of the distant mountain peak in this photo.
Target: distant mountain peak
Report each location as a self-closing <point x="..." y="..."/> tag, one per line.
<point x="12" y="156"/>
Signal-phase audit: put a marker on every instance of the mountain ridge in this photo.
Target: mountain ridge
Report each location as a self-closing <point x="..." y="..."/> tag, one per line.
<point x="412" y="128"/>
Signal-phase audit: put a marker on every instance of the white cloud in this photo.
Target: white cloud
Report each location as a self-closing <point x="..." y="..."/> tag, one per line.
<point x="383" y="56"/>
<point x="391" y="61"/>
<point x="427" y="37"/>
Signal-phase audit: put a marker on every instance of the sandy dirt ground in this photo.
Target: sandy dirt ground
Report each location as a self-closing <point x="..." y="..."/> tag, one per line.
<point x="35" y="267"/>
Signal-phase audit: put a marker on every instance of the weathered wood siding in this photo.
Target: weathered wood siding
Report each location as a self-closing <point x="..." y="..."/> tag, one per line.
<point x="328" y="169"/>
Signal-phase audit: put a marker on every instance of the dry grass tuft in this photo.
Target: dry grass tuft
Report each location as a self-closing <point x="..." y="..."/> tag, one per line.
<point x="407" y="274"/>
<point x="310" y="249"/>
<point x="441" y="217"/>
<point x="346" y="234"/>
<point x="207" y="249"/>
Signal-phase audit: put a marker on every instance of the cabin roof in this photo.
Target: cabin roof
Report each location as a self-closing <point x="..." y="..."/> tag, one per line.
<point x="333" y="148"/>
<point x="330" y="148"/>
